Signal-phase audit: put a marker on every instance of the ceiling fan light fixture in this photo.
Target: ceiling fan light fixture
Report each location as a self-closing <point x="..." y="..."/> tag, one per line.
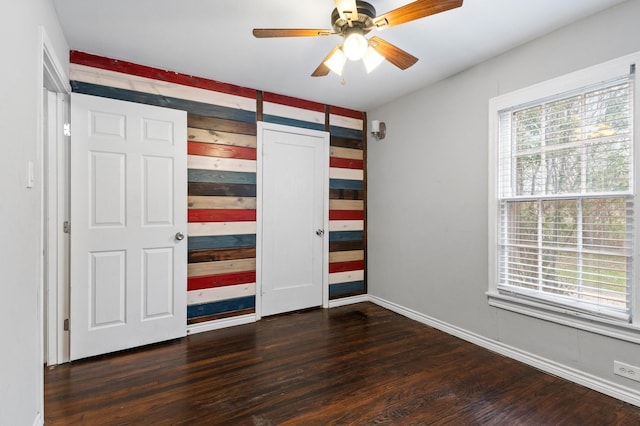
<point x="355" y="45"/>
<point x="372" y="59"/>
<point x="353" y="19"/>
<point x="336" y="61"/>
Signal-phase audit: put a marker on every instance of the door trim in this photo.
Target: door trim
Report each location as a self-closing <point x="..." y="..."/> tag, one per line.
<point x="52" y="77"/>
<point x="261" y="127"/>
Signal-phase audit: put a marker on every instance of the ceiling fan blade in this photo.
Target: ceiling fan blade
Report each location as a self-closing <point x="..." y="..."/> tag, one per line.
<point x="323" y="69"/>
<point x="416" y="10"/>
<point x="347" y="9"/>
<point x="289" y="32"/>
<point x="393" y="54"/>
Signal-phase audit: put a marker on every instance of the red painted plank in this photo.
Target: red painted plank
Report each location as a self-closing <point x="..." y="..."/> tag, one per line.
<point x="222" y="280"/>
<point x="217" y="150"/>
<point x="82" y="58"/>
<point x="294" y="102"/>
<point x="346" y="163"/>
<point x="221" y="215"/>
<point x="345" y="112"/>
<point x="346" y="214"/>
<point x="353" y="265"/>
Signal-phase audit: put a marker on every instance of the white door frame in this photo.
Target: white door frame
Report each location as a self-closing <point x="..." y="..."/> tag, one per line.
<point x="54" y="244"/>
<point x="261" y="127"/>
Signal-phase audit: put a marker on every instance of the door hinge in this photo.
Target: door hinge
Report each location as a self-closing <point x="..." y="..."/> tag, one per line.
<point x="66" y="129"/>
<point x="65" y="326"/>
<point x="66" y="227"/>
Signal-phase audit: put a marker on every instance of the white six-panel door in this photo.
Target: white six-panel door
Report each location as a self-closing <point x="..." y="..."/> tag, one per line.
<point x="293" y="212"/>
<point x="128" y="217"/>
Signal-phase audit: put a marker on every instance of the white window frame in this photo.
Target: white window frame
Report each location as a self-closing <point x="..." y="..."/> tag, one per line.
<point x="563" y="84"/>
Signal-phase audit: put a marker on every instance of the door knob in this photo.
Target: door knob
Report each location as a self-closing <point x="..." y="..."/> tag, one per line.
<point x="320" y="232"/>
<point x="179" y="236"/>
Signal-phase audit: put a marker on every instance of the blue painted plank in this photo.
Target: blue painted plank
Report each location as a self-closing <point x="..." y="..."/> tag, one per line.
<point x="346" y="184"/>
<point x="344" y="132"/>
<point x="221" y="176"/>
<point x="346" y="236"/>
<point x="343" y="288"/>
<point x="221" y="306"/>
<point x="221" y="241"/>
<point x="292" y="122"/>
<point x="199" y="108"/>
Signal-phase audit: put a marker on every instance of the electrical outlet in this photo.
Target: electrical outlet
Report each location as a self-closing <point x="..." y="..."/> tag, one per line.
<point x="626" y="370"/>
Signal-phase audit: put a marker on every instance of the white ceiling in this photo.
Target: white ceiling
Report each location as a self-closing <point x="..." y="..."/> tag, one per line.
<point x="212" y="39"/>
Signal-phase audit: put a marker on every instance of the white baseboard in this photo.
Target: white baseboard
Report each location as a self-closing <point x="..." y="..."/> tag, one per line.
<point x="221" y="323"/>
<point x="588" y="380"/>
<point x="348" y="300"/>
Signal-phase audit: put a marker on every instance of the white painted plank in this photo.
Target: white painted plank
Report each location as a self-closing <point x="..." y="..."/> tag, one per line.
<point x="197" y="297"/>
<point x="119" y="80"/>
<point x="347" y="122"/>
<point x="216" y="163"/>
<point x="345" y="277"/>
<point x="199" y="229"/>
<point x="342" y="173"/>
<point x="346" y="225"/>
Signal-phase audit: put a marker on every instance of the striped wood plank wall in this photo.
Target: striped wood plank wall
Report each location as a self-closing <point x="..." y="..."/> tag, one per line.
<point x="222" y="217"/>
<point x="222" y="176"/>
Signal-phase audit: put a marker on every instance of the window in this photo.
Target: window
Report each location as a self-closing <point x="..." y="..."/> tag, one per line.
<point x="562" y="196"/>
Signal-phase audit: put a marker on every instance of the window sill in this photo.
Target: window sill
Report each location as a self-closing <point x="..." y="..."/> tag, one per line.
<point x="578" y="320"/>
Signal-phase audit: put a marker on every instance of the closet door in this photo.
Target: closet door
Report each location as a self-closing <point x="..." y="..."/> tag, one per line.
<point x="293" y="213"/>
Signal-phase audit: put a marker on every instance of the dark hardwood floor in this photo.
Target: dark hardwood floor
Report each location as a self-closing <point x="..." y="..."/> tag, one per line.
<point x="354" y="365"/>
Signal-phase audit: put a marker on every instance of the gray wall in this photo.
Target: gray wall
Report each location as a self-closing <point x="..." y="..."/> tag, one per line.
<point x="20" y="316"/>
<point x="428" y="190"/>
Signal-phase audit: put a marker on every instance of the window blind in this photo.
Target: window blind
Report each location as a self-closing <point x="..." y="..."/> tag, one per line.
<point x="565" y="188"/>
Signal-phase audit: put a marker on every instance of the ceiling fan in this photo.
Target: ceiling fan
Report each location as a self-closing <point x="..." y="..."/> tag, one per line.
<point x="353" y="19"/>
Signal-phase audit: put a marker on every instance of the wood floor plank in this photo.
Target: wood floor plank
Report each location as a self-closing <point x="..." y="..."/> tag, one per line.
<point x="356" y="364"/>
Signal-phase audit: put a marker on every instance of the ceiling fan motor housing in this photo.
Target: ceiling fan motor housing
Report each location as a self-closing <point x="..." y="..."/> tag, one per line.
<point x="366" y="14"/>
